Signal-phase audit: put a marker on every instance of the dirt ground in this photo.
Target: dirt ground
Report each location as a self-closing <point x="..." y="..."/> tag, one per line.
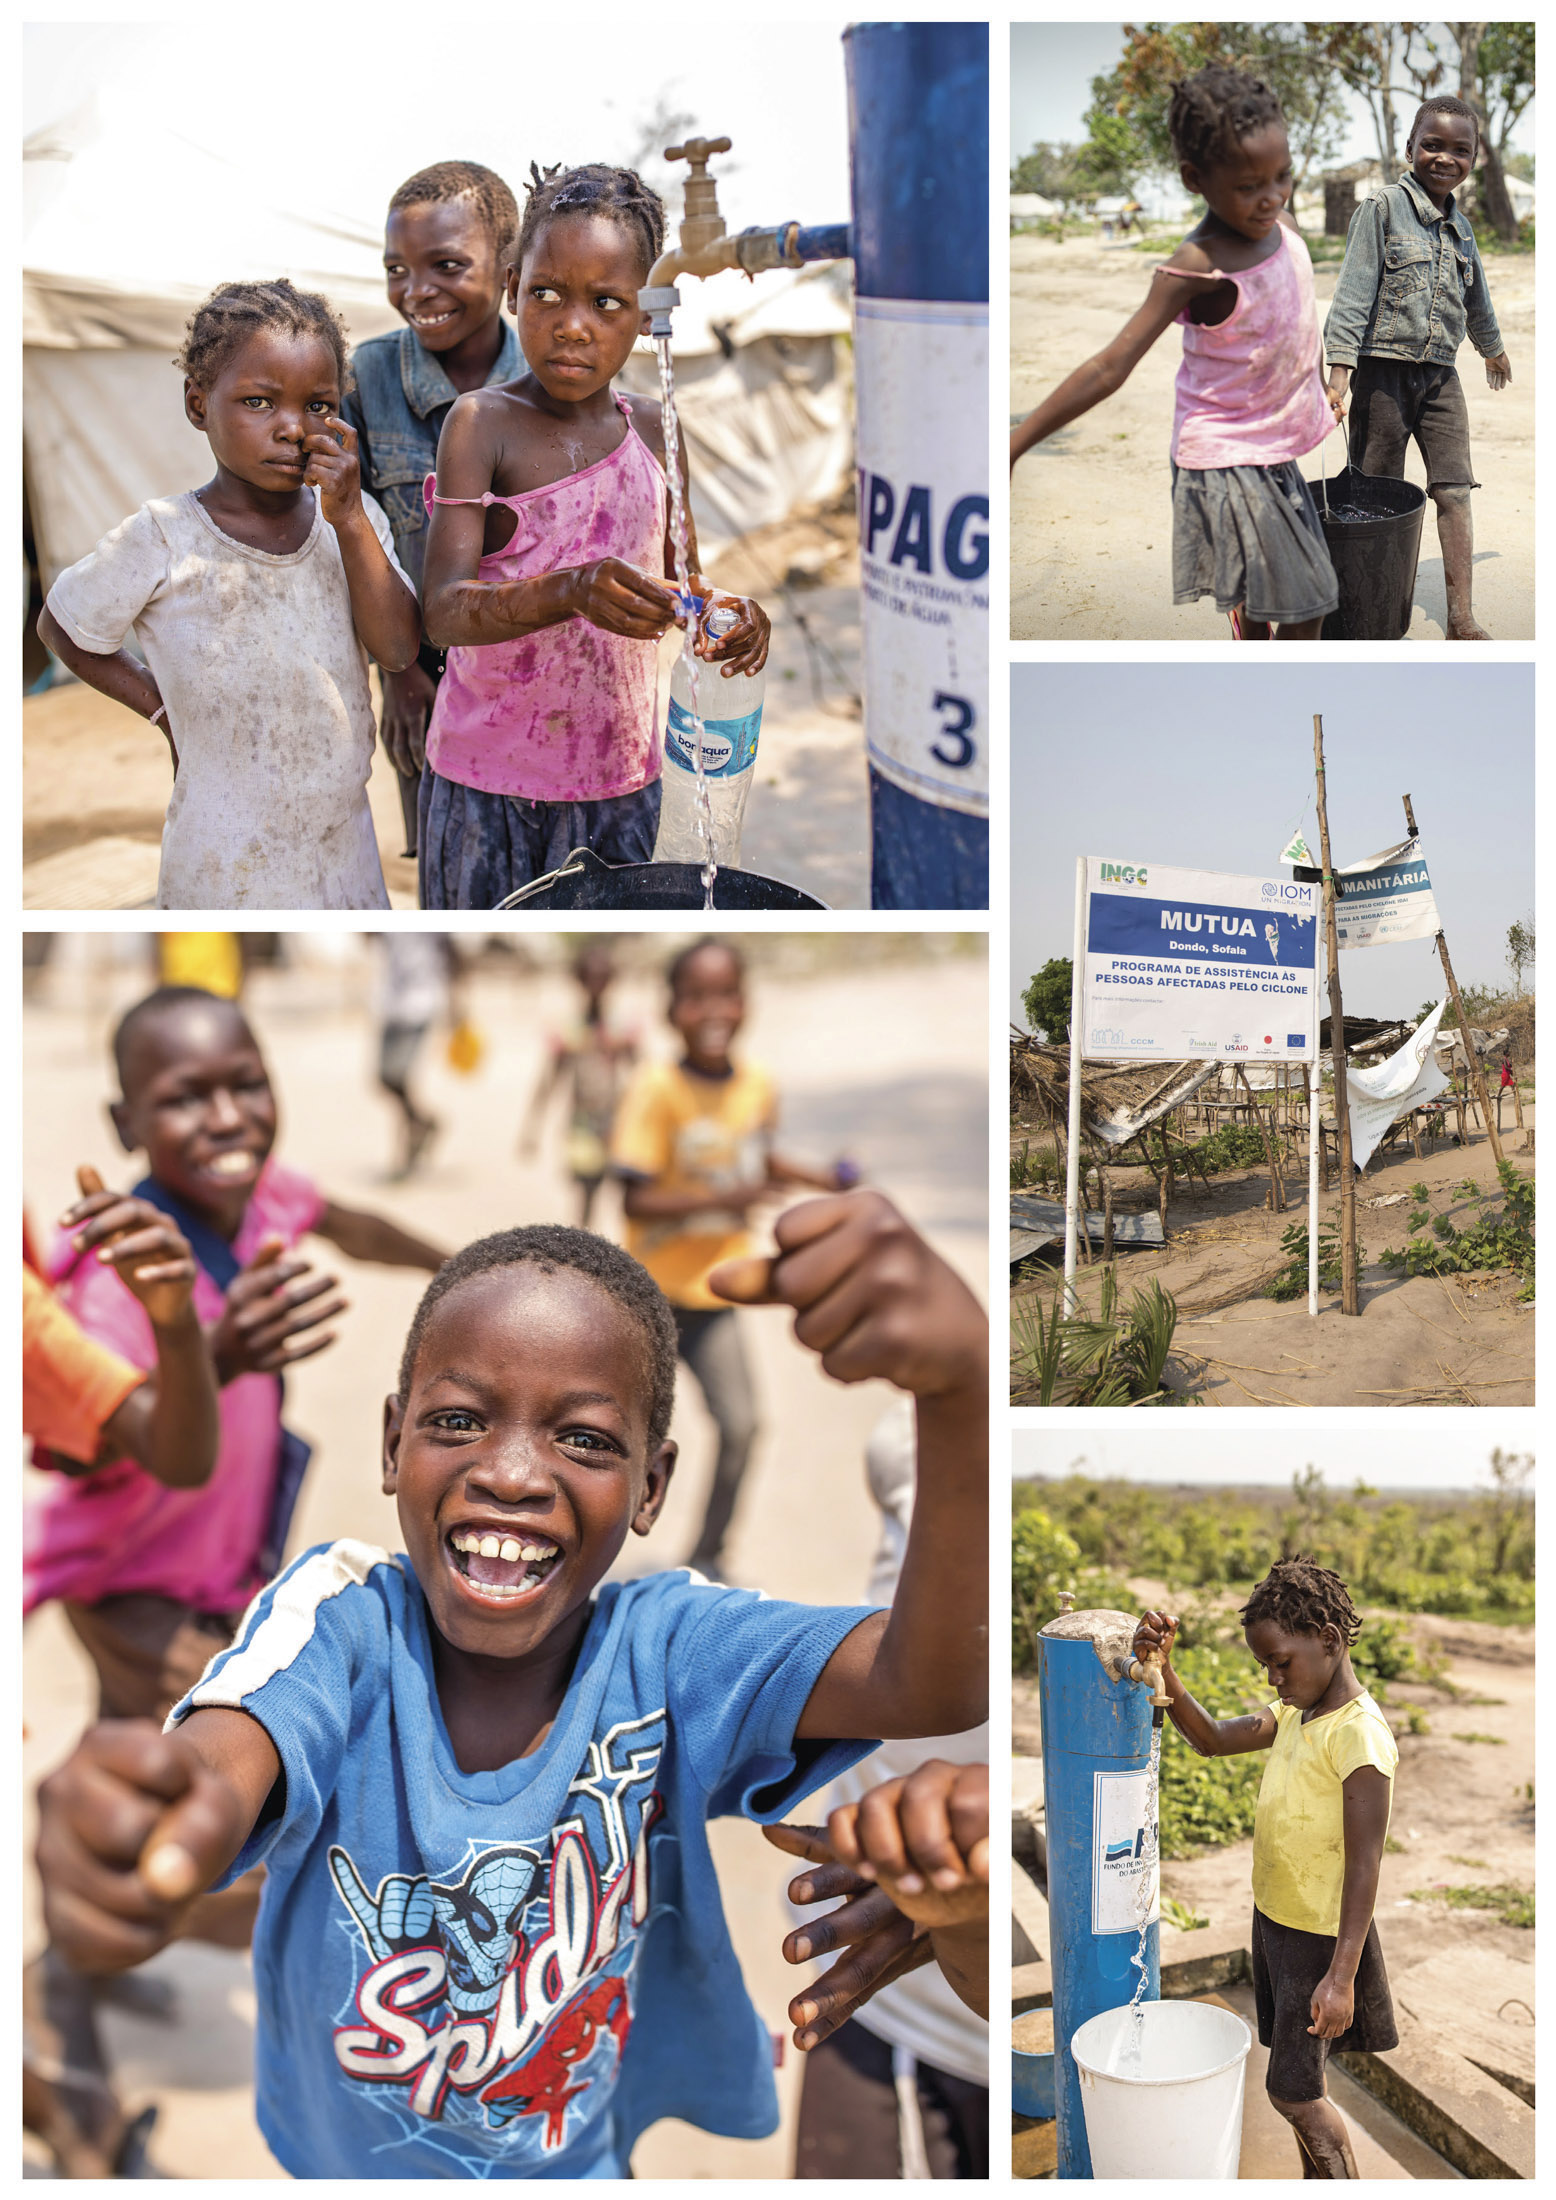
<point x="888" y="1064"/>
<point x="96" y="779"/>
<point x="1463" y="1815"/>
<point x="1091" y="517"/>
<point x="1420" y="1340"/>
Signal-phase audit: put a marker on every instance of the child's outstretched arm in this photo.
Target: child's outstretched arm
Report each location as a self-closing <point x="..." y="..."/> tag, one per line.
<point x="136" y="1823"/>
<point x="363" y="1235"/>
<point x="1211" y="1737"/>
<point x="1365" y="1807"/>
<point x="384" y="611"/>
<point x="874" y="1301"/>
<point x="170" y="1424"/>
<point x="1108" y="370"/>
<point x="461" y="610"/>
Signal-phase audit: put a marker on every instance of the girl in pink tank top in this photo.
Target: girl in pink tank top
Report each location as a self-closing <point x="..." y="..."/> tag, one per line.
<point x="546" y="567"/>
<point x="1250" y="394"/>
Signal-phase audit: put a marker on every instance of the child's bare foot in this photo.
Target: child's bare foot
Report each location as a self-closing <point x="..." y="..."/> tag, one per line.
<point x="1467" y="630"/>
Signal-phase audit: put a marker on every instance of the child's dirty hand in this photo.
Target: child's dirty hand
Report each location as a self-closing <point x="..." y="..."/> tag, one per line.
<point x="616" y="596"/>
<point x="925" y="1839"/>
<point x="744" y="647"/>
<point x="333" y="470"/>
<point x="272" y="1301"/>
<point x="1332" y="2006"/>
<point x="131" y="1828"/>
<point x="1499" y="371"/>
<point x="151" y="1256"/>
<point x="1155" y="1631"/>
<point x="870" y="1297"/>
<point x="408" y="700"/>
<point x="877" y="1941"/>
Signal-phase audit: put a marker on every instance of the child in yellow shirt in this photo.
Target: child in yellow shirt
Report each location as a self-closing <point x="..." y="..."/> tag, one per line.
<point x="693" y="1147"/>
<point x="1323" y="1813"/>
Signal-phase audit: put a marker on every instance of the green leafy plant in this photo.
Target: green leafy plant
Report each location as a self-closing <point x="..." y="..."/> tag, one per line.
<point x="1514" y="1905"/>
<point x="1043" y="1561"/>
<point x="1497" y="1741"/>
<point x="1416" y="1720"/>
<point x="1181" y="1916"/>
<point x="1208" y="1801"/>
<point x="1111" y="1358"/>
<point x="1290" y="1282"/>
<point x="1501" y="1238"/>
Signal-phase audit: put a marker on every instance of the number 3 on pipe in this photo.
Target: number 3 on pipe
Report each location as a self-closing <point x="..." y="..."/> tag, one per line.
<point x="955" y="747"/>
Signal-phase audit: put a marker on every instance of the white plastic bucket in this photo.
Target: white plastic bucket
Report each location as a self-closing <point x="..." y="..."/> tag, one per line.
<point x="1178" y="2110"/>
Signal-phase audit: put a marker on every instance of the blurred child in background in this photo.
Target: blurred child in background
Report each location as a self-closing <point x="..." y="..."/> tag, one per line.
<point x="693" y="1147"/>
<point x="589" y="1061"/>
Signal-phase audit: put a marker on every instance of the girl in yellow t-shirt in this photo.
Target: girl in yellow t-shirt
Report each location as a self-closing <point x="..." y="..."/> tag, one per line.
<point x="1323" y="1813"/>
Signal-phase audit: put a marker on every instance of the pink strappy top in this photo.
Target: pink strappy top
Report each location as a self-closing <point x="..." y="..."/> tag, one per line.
<point x="569" y="714"/>
<point x="1250" y="390"/>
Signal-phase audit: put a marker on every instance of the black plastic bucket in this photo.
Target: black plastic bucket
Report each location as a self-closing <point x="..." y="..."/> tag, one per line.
<point x="584" y="882"/>
<point x="1375" y="558"/>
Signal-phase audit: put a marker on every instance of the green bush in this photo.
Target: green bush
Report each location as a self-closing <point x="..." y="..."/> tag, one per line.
<point x="1500" y="1239"/>
<point x="1044" y="1560"/>
<point x="1207" y="1802"/>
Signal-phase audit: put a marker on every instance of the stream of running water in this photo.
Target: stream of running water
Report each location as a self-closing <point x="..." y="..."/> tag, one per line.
<point x="680" y="536"/>
<point x="1135" y="2050"/>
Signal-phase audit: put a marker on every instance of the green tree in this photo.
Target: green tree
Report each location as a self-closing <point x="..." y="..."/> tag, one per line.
<point x="1043" y="1560"/>
<point x="1053" y="171"/>
<point x="1520" y="948"/>
<point x="1496" y="75"/>
<point x="1046" y="1001"/>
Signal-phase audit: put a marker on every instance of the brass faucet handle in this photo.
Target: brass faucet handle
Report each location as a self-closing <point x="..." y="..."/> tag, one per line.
<point x="699" y="151"/>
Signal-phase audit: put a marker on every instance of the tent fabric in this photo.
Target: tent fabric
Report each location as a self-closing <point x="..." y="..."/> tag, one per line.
<point x="110" y="280"/>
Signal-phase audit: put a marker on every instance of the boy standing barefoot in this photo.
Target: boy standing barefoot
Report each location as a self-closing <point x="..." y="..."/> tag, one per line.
<point x="1411" y="289"/>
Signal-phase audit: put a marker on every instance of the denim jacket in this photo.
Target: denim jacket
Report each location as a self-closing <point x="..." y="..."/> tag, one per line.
<point x="1412" y="286"/>
<point x="401" y="400"/>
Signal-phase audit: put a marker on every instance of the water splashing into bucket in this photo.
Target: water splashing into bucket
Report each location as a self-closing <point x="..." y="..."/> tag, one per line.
<point x="680" y="536"/>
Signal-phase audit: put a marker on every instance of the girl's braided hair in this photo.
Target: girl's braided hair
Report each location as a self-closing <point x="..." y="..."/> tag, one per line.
<point x="448" y="181"/>
<point x="615" y="194"/>
<point x="1304" y="1598"/>
<point x="1446" y="105"/>
<point x="220" y="328"/>
<point x="1213" y="110"/>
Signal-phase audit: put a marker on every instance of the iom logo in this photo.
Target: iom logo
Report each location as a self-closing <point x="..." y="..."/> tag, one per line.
<point x="1123" y="874"/>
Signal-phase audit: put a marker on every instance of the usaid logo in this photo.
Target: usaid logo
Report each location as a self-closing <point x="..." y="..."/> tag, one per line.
<point x="1237" y="1044"/>
<point x="1123" y="874"/>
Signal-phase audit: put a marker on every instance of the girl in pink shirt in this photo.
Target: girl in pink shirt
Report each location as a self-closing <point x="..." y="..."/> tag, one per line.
<point x="1250" y="394"/>
<point x="545" y="571"/>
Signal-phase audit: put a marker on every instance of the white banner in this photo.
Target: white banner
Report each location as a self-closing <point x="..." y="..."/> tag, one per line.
<point x="1118" y="1863"/>
<point x="1380" y="1096"/>
<point x="1198" y="966"/>
<point x="1385" y="898"/>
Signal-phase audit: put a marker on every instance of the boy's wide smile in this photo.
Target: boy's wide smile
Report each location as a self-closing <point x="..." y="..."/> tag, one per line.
<point x="499" y="1563"/>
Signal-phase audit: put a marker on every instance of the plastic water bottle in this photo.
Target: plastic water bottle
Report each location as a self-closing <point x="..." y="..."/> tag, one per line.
<point x="731" y="712"/>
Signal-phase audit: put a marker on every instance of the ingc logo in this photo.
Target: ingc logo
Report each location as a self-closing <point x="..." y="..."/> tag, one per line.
<point x="1123" y="874"/>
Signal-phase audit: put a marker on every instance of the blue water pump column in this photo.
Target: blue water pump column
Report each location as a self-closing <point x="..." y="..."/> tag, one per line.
<point x="1096" y="1760"/>
<point x="918" y="107"/>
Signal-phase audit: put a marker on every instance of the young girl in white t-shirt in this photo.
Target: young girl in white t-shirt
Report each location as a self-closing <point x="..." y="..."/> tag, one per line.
<point x="256" y="600"/>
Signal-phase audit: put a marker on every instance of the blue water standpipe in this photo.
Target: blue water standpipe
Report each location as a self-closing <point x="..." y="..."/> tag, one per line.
<point x="918" y="110"/>
<point x="1096" y="1759"/>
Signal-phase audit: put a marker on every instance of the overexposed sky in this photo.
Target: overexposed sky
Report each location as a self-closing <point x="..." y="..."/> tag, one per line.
<point x="340" y="128"/>
<point x="1437" y="1450"/>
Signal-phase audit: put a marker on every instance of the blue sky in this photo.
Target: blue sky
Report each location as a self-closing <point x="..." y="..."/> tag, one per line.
<point x="1052" y="65"/>
<point x="1435" y="1450"/>
<point x="1211" y="767"/>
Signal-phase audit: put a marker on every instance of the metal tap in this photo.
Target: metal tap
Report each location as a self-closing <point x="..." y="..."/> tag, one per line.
<point x="706" y="248"/>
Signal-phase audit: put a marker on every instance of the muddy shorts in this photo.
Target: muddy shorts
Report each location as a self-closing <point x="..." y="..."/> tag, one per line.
<point x="475" y="848"/>
<point x="1251" y="535"/>
<point x="1287" y="1966"/>
<point x="1393" y="401"/>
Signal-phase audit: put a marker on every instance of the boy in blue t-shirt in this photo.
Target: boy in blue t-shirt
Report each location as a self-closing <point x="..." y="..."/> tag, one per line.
<point x="479" y="1776"/>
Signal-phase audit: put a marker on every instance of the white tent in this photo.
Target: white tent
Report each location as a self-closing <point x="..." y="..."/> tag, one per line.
<point x="127" y="226"/>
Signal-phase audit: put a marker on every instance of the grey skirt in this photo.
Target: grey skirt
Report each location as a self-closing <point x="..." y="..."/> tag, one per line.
<point x="1250" y="535"/>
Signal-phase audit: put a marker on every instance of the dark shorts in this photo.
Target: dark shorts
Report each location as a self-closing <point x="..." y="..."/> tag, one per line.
<point x="1393" y="401"/>
<point x="1287" y="1966"/>
<point x="475" y="848"/>
<point x="1251" y="535"/>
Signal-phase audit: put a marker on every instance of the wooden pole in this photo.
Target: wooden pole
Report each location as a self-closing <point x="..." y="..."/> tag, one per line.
<point x="1342" y="1110"/>
<point x="1472" y="1059"/>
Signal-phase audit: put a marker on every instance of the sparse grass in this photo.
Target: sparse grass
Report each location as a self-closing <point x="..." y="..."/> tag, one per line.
<point x="1474" y="1863"/>
<point x="1498" y="1741"/>
<point x="1180" y="1915"/>
<point x="1513" y="1905"/>
<point x="1416" y="1720"/>
<point x="1391" y="1847"/>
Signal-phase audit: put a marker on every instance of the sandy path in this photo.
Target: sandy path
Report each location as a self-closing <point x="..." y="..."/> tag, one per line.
<point x="1091" y="518"/>
<point x="1420" y="1340"/>
<point x="889" y="1064"/>
<point x="96" y="782"/>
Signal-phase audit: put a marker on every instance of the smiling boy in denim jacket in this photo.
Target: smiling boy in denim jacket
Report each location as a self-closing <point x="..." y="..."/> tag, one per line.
<point x="1411" y="289"/>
